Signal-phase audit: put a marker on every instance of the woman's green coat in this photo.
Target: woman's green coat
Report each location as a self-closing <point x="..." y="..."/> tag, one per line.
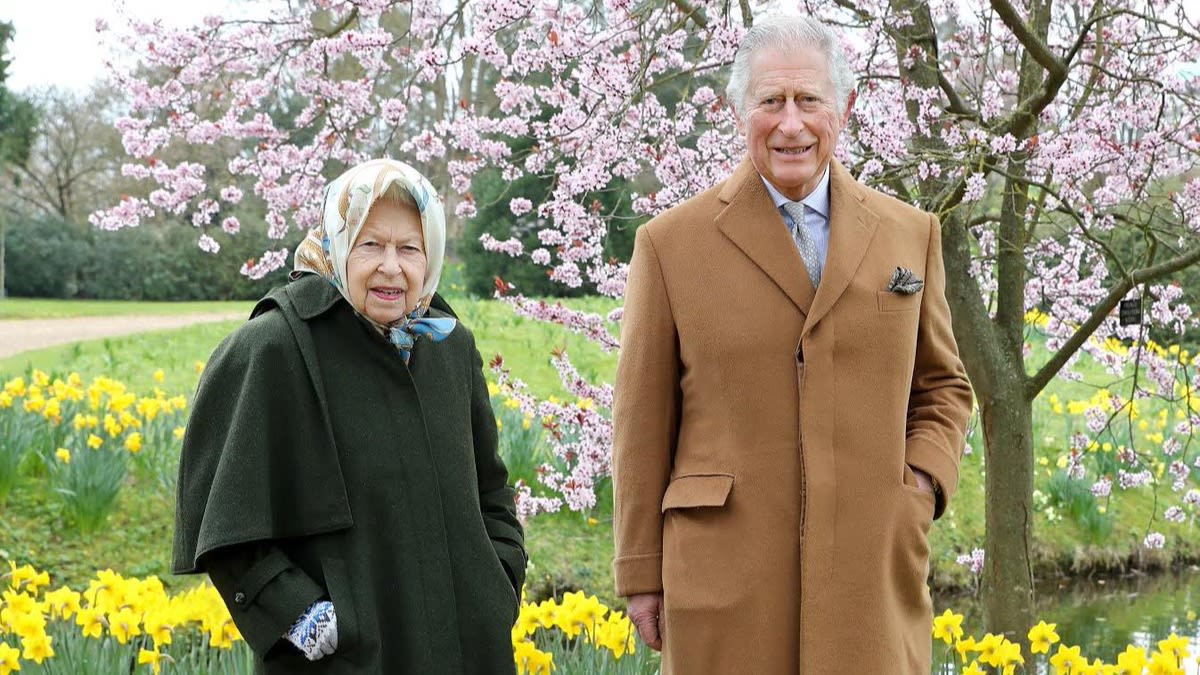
<point x="316" y="463"/>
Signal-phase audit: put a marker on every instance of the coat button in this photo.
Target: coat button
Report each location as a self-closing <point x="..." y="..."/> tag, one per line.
<point x="239" y="597"/>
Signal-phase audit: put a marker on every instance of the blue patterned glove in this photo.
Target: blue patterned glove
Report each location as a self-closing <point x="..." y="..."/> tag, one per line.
<point x="315" y="632"/>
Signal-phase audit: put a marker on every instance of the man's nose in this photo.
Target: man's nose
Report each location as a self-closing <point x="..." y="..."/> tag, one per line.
<point x="793" y="120"/>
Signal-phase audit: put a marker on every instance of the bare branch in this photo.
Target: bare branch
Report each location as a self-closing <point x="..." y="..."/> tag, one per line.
<point x="1032" y="43"/>
<point x="692" y="13"/>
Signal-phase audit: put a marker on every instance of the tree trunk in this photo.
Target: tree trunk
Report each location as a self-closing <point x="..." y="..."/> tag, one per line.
<point x="1008" y="576"/>
<point x="3" y="236"/>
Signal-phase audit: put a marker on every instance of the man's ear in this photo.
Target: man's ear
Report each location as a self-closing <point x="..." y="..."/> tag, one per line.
<point x="849" y="104"/>
<point x="737" y="119"/>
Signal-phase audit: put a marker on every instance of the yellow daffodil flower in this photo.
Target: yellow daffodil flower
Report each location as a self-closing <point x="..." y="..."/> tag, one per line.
<point x="37" y="648"/>
<point x="1041" y="637"/>
<point x="964" y="647"/>
<point x="1175" y="646"/>
<point x="1164" y="663"/>
<point x="153" y="658"/>
<point x="1067" y="660"/>
<point x="948" y="627"/>
<point x="1132" y="661"/>
<point x="90" y="622"/>
<point x="8" y="659"/>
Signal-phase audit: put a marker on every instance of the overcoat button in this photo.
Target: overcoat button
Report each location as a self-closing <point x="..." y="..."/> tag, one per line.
<point x="239" y="597"/>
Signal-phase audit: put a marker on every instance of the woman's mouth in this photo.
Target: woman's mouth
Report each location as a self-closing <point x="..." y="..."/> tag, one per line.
<point x="387" y="293"/>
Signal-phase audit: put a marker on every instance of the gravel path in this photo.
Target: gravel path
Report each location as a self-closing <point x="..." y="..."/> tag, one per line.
<point x="20" y="335"/>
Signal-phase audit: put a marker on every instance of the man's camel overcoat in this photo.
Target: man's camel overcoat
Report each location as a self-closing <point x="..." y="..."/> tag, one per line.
<point x="764" y="434"/>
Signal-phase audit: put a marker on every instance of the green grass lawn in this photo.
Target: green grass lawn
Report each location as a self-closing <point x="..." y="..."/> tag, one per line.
<point x="525" y="344"/>
<point x="1074" y="532"/>
<point x="40" y="308"/>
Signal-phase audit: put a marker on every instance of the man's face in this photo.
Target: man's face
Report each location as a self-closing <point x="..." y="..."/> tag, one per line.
<point x="792" y="121"/>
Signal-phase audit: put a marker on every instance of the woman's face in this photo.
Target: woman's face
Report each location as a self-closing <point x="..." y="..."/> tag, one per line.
<point x="386" y="266"/>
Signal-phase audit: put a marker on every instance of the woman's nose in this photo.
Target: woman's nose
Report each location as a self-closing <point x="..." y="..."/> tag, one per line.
<point x="390" y="263"/>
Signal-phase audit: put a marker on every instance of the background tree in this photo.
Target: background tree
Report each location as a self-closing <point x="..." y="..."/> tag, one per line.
<point x="16" y="135"/>
<point x="1054" y="140"/>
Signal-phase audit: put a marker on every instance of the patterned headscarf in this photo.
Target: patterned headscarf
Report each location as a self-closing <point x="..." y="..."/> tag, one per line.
<point x="348" y="199"/>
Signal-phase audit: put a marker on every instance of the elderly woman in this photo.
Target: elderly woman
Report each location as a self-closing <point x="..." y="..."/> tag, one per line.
<point x="339" y="480"/>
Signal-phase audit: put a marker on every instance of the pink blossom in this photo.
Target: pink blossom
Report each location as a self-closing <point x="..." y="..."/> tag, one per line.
<point x="520" y="206"/>
<point x="973" y="560"/>
<point x="208" y="244"/>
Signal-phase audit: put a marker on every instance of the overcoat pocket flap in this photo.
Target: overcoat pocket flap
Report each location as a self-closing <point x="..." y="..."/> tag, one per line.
<point x="696" y="490"/>
<point x="890" y="301"/>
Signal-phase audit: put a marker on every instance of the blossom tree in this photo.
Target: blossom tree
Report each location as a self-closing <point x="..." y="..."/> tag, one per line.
<point x="1056" y="141"/>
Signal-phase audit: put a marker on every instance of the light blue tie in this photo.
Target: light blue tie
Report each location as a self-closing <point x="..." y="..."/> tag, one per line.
<point x="804" y="241"/>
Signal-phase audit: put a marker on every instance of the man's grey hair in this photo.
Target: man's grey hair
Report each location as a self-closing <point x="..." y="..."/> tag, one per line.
<point x="787" y="32"/>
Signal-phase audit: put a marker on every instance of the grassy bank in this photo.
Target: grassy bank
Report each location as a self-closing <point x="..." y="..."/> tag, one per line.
<point x="41" y="308"/>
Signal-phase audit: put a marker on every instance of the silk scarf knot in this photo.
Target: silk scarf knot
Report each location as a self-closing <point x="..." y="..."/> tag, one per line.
<point x="405" y="336"/>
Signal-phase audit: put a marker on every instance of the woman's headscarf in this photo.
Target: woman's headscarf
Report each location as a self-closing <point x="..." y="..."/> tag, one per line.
<point x="348" y="199"/>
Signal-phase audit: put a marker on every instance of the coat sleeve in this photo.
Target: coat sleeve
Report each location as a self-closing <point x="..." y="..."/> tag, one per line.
<point x="646" y="410"/>
<point x="496" y="498"/>
<point x="264" y="591"/>
<point x="940" y="400"/>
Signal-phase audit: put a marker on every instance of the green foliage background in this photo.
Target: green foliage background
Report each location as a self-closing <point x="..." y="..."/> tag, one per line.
<point x="49" y="258"/>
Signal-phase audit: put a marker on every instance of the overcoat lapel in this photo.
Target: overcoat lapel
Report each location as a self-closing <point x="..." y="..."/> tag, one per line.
<point x="751" y="221"/>
<point x="851" y="228"/>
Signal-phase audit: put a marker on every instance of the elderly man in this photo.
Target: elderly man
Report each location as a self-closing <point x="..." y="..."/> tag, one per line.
<point x="790" y="406"/>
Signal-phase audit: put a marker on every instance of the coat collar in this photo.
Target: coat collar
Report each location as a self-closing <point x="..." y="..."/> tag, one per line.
<point x="754" y="225"/>
<point x="310" y="294"/>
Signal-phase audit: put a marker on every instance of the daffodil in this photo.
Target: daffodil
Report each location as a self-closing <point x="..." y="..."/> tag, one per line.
<point x="63" y="602"/>
<point x="9" y="662"/>
<point x="964" y="647"/>
<point x="948" y="627"/>
<point x="90" y="622"/>
<point x="37" y="648"/>
<point x="153" y="658"/>
<point x="1175" y="646"/>
<point x="1164" y="663"/>
<point x="1067" y="660"/>
<point x="123" y="625"/>
<point x="1041" y="637"/>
